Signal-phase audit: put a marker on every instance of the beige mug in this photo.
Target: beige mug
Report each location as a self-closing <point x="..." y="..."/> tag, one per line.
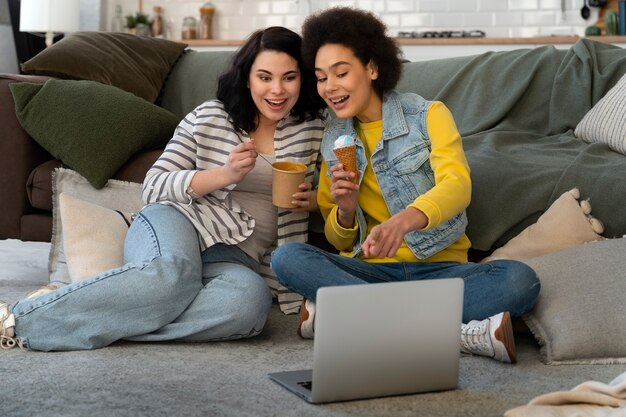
<point x="286" y="177"/>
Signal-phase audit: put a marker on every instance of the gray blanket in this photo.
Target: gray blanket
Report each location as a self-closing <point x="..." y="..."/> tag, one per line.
<point x="517" y="111"/>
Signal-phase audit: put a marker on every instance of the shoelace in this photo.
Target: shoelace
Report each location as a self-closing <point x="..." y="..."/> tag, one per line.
<point x="9" y="342"/>
<point x="6" y="341"/>
<point x="476" y="338"/>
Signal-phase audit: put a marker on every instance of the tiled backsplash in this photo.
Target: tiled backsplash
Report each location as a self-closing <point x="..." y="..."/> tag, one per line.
<point x="235" y="19"/>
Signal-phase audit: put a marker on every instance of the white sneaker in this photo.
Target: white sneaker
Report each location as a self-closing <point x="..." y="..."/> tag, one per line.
<point x="307" y="319"/>
<point x="7" y="327"/>
<point x="492" y="337"/>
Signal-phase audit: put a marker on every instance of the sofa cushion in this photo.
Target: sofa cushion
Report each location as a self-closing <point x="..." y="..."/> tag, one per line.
<point x="39" y="185"/>
<point x="92" y="127"/>
<point x="135" y="169"/>
<point x="181" y="96"/>
<point x="577" y="318"/>
<point x="116" y="195"/>
<point x="36" y="227"/>
<point x="606" y="121"/>
<point x="137" y="64"/>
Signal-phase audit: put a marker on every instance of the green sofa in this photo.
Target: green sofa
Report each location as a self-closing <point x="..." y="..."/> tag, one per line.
<point x="516" y="111"/>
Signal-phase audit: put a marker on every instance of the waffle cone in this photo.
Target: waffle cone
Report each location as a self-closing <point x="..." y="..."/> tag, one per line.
<point x="347" y="156"/>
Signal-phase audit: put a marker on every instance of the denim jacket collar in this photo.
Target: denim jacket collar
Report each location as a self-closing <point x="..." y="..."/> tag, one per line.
<point x="394" y="124"/>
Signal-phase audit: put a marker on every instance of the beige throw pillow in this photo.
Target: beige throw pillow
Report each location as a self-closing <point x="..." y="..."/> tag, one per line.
<point x="566" y="223"/>
<point x="117" y="195"/>
<point x="93" y="236"/>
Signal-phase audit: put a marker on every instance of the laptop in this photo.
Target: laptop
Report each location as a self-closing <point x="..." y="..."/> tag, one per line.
<point x="376" y="340"/>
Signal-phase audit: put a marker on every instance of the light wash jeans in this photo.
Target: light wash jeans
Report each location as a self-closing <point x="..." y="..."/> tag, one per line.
<point x="490" y="288"/>
<point x="167" y="290"/>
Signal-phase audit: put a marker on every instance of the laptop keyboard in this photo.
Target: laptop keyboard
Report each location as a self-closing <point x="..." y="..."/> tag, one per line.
<point x="306" y="384"/>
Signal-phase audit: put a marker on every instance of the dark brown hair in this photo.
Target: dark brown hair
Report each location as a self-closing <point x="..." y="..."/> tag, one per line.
<point x="232" y="87"/>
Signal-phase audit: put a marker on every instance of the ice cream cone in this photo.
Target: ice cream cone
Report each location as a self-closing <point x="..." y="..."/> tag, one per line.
<point x="347" y="156"/>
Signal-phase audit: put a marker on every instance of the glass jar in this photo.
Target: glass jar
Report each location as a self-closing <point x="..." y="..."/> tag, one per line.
<point x="157" y="22"/>
<point x="206" y="20"/>
<point x="117" y="23"/>
<point x="189" y="28"/>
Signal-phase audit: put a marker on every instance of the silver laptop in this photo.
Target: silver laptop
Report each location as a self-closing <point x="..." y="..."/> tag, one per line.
<point x="376" y="340"/>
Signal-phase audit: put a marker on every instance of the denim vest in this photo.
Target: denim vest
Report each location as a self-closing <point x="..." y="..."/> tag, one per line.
<point x="401" y="164"/>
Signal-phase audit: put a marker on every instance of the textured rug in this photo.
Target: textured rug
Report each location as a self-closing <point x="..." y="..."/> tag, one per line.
<point x="230" y="378"/>
<point x="23" y="267"/>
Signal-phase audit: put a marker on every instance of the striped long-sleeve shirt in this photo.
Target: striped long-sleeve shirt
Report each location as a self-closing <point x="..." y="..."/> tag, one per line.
<point x="203" y="140"/>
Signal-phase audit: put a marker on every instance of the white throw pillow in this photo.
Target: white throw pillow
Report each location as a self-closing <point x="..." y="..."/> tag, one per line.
<point x="606" y="121"/>
<point x="117" y="195"/>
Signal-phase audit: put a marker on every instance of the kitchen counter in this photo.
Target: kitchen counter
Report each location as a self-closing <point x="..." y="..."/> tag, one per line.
<point x="539" y="40"/>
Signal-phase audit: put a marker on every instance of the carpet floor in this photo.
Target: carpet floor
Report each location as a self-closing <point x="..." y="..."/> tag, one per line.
<point x="230" y="378"/>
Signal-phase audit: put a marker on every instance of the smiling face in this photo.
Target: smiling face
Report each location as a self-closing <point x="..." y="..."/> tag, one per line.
<point x="274" y="83"/>
<point x="345" y="83"/>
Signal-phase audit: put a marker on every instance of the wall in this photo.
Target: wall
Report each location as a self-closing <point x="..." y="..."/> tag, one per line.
<point x="8" y="58"/>
<point x="91" y="16"/>
<point x="235" y="19"/>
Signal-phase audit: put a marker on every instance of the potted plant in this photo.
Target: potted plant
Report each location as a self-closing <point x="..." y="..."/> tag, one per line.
<point x="138" y="24"/>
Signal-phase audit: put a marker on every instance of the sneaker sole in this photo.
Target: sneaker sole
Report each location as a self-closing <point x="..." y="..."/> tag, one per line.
<point x="305" y="333"/>
<point x="504" y="333"/>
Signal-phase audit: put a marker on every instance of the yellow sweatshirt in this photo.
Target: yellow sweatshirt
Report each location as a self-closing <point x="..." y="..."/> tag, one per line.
<point x="450" y="195"/>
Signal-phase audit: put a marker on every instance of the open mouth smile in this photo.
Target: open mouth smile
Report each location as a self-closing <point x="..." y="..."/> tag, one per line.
<point x="276" y="103"/>
<point x="338" y="99"/>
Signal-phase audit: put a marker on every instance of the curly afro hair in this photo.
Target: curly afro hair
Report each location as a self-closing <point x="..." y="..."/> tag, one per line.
<point x="360" y="31"/>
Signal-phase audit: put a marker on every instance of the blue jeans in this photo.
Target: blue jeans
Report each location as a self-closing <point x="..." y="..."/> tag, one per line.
<point x="490" y="288"/>
<point x="167" y="290"/>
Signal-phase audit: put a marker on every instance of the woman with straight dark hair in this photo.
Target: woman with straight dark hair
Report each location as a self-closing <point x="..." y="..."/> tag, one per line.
<point x="197" y="255"/>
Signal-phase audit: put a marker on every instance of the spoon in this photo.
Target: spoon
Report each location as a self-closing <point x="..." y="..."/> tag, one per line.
<point x="259" y="154"/>
<point x="585" y="12"/>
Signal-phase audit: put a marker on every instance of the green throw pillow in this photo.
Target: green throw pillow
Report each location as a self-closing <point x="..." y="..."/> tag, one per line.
<point x="91" y="127"/>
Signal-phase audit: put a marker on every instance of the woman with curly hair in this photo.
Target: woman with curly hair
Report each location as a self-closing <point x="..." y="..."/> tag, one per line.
<point x="401" y="215"/>
<point x="197" y="255"/>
